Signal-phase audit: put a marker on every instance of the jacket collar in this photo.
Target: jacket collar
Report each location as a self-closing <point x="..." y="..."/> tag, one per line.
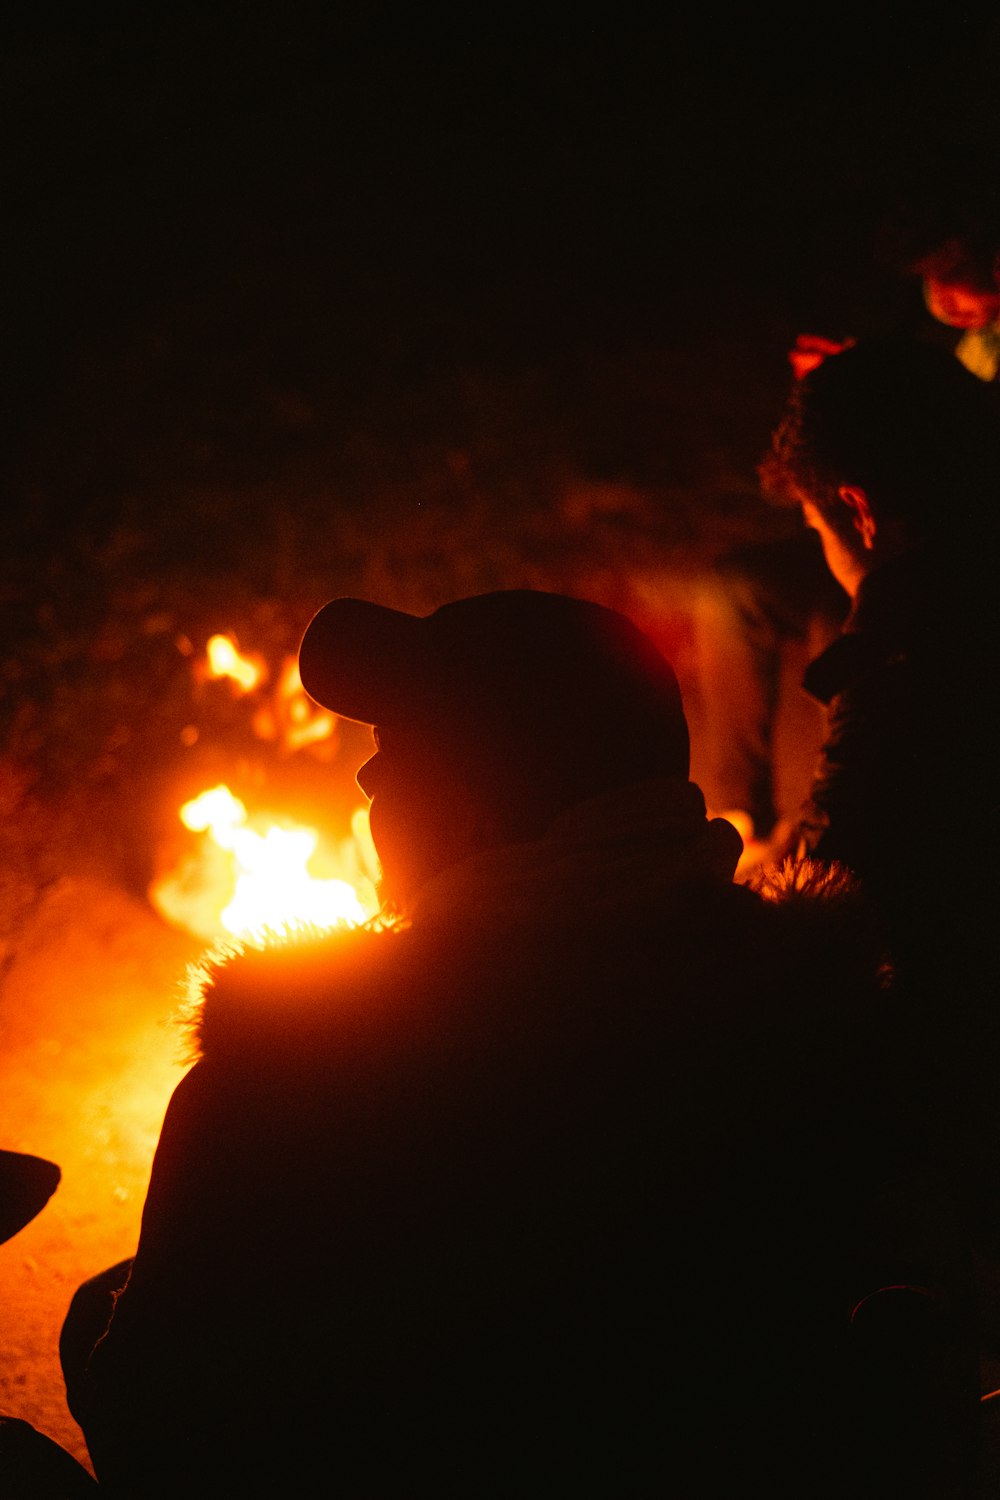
<point x="611" y="854"/>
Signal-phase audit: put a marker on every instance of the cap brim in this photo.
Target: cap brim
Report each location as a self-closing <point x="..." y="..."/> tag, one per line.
<point x="359" y="659"/>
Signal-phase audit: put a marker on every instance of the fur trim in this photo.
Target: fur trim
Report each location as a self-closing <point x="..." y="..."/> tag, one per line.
<point x="803" y="878"/>
<point x="276" y="984"/>
<point x="801" y="924"/>
<point x="826" y="898"/>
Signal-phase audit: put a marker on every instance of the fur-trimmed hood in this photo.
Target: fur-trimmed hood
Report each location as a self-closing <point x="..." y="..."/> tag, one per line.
<point x="603" y="867"/>
<point x="629" y="895"/>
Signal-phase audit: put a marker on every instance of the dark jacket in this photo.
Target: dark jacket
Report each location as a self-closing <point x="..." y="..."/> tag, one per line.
<point x="907" y="774"/>
<point x="905" y="794"/>
<point x="567" y="1186"/>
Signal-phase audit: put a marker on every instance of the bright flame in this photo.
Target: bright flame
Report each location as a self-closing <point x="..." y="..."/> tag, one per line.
<point x="247" y="881"/>
<point x="307" y="723"/>
<point x="224" y="660"/>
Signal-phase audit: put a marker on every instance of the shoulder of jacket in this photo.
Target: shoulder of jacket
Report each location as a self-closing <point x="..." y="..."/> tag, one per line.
<point x="284" y="990"/>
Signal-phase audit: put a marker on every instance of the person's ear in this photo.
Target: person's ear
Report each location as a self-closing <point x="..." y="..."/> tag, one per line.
<point x="864" y="522"/>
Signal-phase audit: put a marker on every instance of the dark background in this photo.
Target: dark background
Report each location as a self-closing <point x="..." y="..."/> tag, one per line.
<point x="299" y="304"/>
<point x="221" y="228"/>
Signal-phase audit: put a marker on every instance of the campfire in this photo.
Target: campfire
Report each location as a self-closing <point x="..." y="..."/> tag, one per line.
<point x="251" y="873"/>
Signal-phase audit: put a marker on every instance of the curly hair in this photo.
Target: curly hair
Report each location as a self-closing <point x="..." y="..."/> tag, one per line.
<point x="896" y="417"/>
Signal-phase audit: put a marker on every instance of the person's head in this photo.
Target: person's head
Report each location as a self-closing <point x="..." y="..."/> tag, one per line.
<point x="961" y="283"/>
<point x="887" y="445"/>
<point x="941" y="228"/>
<point x="492" y="715"/>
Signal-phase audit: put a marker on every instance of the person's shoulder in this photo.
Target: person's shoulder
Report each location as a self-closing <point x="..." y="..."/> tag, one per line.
<point x="283" y="994"/>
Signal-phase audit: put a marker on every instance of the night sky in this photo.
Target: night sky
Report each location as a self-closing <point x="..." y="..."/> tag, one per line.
<point x="237" y="238"/>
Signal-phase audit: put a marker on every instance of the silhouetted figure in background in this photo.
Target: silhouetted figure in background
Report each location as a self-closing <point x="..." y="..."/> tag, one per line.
<point x="768" y="607"/>
<point x="941" y="239"/>
<point x="759" y="616"/>
<point x="567" y="1179"/>
<point x="891" y="450"/>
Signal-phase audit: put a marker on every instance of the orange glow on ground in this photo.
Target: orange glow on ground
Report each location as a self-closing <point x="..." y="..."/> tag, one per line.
<point x="89" y="1055"/>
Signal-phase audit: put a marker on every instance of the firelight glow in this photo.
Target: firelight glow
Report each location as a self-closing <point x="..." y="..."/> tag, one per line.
<point x="292" y="717"/>
<point x="253" y="881"/>
<point x="224" y="660"/>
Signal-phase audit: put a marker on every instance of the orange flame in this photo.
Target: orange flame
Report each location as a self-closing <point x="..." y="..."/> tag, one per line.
<point x="287" y="714"/>
<point x="225" y="660"/>
<point x="252" y="877"/>
<point x="291" y="715"/>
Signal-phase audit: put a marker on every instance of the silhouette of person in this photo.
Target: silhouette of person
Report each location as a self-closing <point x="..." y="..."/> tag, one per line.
<point x="890" y="449"/>
<point x="566" y="1174"/>
<point x="759" y="615"/>
<point x="768" y="607"/>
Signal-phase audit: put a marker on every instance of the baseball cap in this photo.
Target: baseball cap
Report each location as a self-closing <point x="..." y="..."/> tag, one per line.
<point x="503" y="670"/>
